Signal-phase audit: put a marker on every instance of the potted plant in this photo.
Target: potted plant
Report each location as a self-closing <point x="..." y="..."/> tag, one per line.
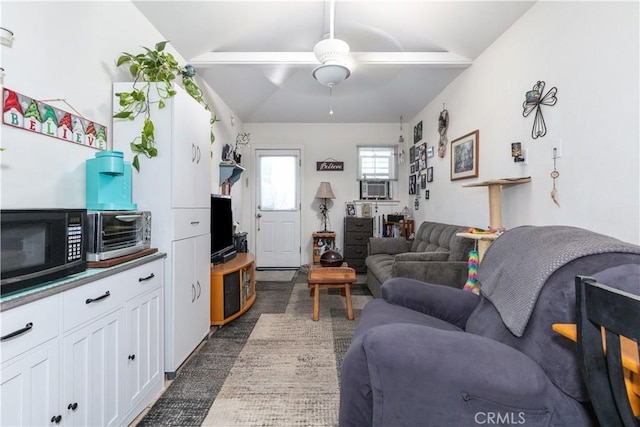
<point x="155" y="69"/>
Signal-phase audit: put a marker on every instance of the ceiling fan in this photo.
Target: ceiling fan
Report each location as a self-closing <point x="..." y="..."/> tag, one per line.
<point x="331" y="57"/>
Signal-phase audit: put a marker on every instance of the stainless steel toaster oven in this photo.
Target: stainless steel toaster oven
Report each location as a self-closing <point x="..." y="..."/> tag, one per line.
<point x="112" y="234"/>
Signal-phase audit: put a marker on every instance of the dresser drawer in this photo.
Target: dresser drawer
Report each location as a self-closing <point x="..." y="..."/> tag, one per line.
<point x="357" y="264"/>
<point x="33" y="324"/>
<point x="358" y="224"/>
<point x="355" y="252"/>
<point x="359" y="238"/>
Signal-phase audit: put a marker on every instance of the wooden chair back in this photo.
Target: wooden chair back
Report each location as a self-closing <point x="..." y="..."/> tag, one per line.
<point x="618" y="313"/>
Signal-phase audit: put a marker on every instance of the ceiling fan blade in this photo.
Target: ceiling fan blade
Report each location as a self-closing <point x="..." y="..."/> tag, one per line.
<point x="211" y="59"/>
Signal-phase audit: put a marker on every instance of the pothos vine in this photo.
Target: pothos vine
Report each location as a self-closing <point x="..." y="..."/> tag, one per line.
<point x="153" y="69"/>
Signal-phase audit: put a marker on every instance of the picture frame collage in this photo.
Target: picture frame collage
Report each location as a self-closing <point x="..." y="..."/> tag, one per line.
<point x="420" y="172"/>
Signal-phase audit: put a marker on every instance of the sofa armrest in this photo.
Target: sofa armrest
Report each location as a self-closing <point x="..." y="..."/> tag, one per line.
<point x="423" y="256"/>
<point x="403" y="375"/>
<point x="449" y="273"/>
<point x="443" y="302"/>
<point x="388" y="245"/>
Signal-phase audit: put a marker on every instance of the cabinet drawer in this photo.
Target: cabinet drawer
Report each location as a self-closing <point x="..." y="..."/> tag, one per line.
<point x="86" y="302"/>
<point x="144" y="278"/>
<point x="43" y="315"/>
<point x="360" y="238"/>
<point x="355" y="252"/>
<point x="358" y="224"/>
<point x="190" y="222"/>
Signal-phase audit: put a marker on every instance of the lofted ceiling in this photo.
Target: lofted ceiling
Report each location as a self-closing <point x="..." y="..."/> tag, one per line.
<point x="258" y="55"/>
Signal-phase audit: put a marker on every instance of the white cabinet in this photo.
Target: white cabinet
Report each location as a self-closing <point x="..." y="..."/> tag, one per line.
<point x="175" y="187"/>
<point x="145" y="370"/>
<point x="191" y="294"/>
<point x="29" y="387"/>
<point x="29" y="369"/>
<point x="92" y="373"/>
<point x="91" y="355"/>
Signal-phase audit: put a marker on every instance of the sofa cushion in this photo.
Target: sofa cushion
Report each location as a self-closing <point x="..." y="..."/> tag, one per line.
<point x="435" y="237"/>
<point x="380" y="265"/>
<point x="387" y="245"/>
<point x="423" y="256"/>
<point x="380" y="312"/>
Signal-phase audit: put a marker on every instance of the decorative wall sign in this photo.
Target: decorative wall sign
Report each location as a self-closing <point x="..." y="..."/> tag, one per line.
<point x="533" y="100"/>
<point x="464" y="156"/>
<point x="329" y="165"/>
<point x="29" y="114"/>
<point x="443" y="125"/>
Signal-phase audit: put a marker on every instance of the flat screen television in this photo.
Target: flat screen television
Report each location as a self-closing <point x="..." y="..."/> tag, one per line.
<point x="222" y="248"/>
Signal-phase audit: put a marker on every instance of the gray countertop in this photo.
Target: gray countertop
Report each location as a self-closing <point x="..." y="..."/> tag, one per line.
<point x="56" y="286"/>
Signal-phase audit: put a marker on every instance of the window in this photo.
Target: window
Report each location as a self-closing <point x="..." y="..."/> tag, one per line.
<point x="377" y="163"/>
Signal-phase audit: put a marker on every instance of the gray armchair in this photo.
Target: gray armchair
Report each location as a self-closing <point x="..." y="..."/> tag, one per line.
<point x="433" y="355"/>
<point x="436" y="255"/>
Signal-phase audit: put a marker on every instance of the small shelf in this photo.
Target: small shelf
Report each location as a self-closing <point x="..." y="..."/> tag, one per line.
<point x="495" y="196"/>
<point x="230" y="172"/>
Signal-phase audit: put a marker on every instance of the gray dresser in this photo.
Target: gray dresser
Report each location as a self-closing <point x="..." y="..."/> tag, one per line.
<point x="356" y="237"/>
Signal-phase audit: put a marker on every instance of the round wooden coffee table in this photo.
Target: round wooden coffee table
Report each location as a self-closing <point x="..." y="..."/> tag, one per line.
<point x="331" y="277"/>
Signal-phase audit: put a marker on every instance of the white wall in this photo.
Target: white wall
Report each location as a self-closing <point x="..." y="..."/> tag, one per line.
<point x="68" y="50"/>
<point x="318" y="142"/>
<point x="590" y="52"/>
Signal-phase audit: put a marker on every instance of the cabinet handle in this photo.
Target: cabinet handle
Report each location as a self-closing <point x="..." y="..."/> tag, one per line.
<point x="132" y="357"/>
<point x="144" y="279"/>
<point x="26" y="329"/>
<point x="101" y="297"/>
<point x="193" y="153"/>
<point x="195" y="222"/>
<point x="198" y="161"/>
<point x="56" y="419"/>
<point x="193" y="293"/>
<point x="73" y="406"/>
<point x="199" y="289"/>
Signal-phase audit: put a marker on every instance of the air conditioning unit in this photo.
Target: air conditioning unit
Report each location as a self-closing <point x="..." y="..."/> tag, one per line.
<point x="374" y="190"/>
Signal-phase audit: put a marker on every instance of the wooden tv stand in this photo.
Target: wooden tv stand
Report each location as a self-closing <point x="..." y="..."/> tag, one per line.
<point x="233" y="288"/>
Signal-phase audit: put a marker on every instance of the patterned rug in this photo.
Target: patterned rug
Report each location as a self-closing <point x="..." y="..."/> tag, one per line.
<point x="273" y="366"/>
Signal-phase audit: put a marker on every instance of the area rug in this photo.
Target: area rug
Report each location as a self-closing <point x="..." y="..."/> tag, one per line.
<point x="273" y="366"/>
<point x="274" y="275"/>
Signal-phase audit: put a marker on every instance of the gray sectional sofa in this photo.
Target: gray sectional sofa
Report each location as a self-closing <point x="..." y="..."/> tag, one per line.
<point x="429" y="355"/>
<point x="436" y="255"/>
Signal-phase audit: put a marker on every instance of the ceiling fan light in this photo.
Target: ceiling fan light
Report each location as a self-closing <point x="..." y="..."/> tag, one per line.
<point x="331" y="74"/>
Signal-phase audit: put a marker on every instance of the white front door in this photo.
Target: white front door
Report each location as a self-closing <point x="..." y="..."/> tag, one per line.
<point x="278" y="209"/>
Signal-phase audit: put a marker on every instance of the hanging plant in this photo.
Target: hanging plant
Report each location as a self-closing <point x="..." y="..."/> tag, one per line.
<point x="153" y="69"/>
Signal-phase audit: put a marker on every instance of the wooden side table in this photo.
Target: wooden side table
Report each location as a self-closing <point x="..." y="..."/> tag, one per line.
<point x="331" y="277"/>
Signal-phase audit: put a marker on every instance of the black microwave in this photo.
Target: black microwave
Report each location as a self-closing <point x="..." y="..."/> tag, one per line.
<point x="40" y="245"/>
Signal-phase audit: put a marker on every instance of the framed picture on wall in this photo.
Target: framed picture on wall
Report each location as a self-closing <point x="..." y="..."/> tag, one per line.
<point x="417" y="132"/>
<point x="430" y="174"/>
<point x="412" y="184"/>
<point x="422" y="157"/>
<point x="412" y="154"/>
<point x="423" y="181"/>
<point x="464" y="156"/>
<point x="350" y="208"/>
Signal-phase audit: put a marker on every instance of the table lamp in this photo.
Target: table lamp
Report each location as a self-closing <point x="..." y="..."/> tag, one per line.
<point x="324" y="192"/>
